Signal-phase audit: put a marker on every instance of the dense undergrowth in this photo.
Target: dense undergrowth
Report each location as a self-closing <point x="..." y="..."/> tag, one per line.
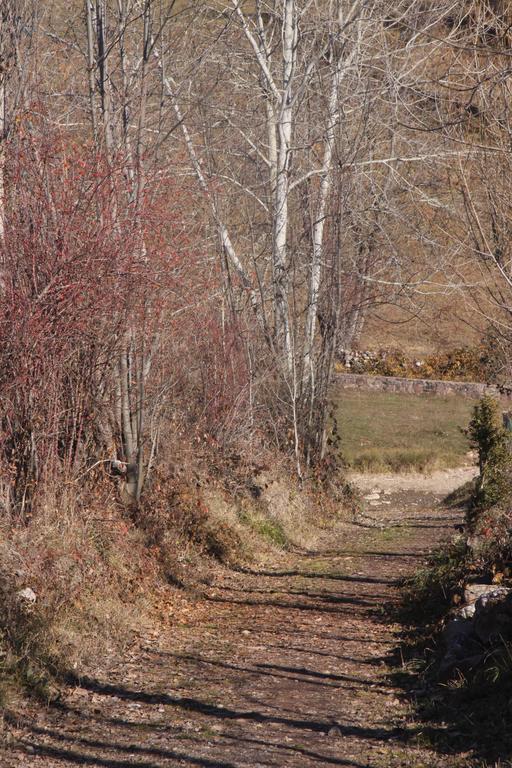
<point x="465" y="704"/>
<point x="483" y="362"/>
<point x="138" y="446"/>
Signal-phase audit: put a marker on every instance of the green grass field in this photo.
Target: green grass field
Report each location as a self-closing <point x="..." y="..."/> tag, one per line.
<point x="391" y="432"/>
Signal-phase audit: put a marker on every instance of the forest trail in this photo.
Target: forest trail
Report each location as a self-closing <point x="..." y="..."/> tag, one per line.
<point x="283" y="667"/>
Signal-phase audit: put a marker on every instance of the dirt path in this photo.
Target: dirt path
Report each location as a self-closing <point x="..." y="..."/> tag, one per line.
<point x="439" y="483"/>
<point x="286" y="667"/>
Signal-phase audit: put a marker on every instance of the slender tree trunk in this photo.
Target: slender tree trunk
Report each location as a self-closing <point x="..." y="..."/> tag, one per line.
<point x="91" y="67"/>
<point x="126" y="415"/>
<point x="282" y="187"/>
<point x="340" y="64"/>
<point x="105" y="85"/>
<point x="3" y="136"/>
<point x="318" y="235"/>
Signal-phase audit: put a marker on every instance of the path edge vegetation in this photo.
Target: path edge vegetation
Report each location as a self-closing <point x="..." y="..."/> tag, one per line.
<point x="467" y="706"/>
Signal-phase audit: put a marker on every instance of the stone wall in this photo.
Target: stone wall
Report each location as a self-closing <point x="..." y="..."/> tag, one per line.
<point x="364" y="382"/>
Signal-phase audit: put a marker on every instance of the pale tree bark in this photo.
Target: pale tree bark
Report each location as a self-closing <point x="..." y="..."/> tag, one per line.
<point x="17" y="21"/>
<point x="280" y="123"/>
<point x="91" y="66"/>
<point x="3" y="135"/>
<point x="341" y="61"/>
<point x="284" y="157"/>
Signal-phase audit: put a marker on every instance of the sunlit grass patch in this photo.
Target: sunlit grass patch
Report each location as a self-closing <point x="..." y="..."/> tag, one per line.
<point x="393" y="432"/>
<point x="269" y="529"/>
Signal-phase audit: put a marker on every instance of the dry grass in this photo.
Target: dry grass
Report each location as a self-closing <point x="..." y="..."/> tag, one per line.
<point x="89" y="569"/>
<point x="390" y="432"/>
<point x="441" y="324"/>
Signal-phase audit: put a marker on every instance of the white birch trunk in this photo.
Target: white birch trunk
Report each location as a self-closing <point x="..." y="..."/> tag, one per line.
<point x="317" y="246"/>
<point x="91" y="66"/>
<point x="333" y="116"/>
<point x="280" y="114"/>
<point x="3" y="133"/>
<point x="282" y="186"/>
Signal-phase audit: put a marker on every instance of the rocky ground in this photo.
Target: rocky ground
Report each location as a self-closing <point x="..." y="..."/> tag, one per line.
<point x="288" y="666"/>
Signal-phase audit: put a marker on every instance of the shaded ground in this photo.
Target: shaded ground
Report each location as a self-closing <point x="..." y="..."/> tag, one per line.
<point x="286" y="667"/>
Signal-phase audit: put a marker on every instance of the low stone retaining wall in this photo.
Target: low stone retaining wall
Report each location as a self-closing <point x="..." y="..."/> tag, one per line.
<point x="470" y="389"/>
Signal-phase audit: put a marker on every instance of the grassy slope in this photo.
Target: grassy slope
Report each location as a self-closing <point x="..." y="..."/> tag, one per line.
<point x="383" y="431"/>
<point x="437" y="327"/>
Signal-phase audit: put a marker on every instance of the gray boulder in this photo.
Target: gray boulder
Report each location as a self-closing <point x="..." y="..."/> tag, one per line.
<point x="493" y="615"/>
<point x="485" y="619"/>
<point x="474" y="591"/>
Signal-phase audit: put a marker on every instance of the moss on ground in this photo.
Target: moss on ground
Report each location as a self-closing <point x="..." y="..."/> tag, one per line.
<point x="271" y="530"/>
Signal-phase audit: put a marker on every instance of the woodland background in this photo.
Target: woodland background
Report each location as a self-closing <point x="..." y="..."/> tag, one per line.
<point x="201" y="204"/>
